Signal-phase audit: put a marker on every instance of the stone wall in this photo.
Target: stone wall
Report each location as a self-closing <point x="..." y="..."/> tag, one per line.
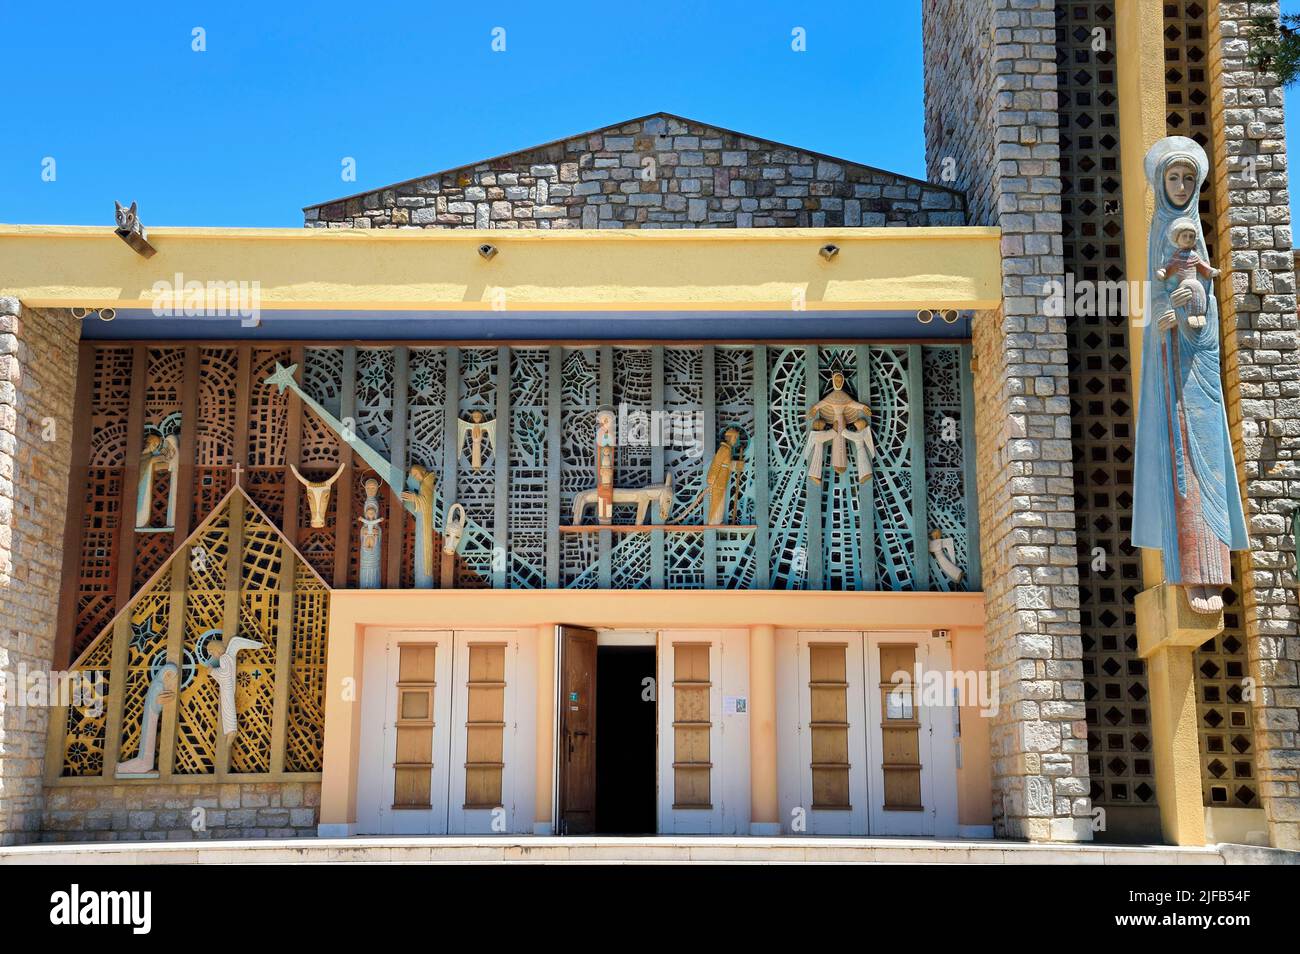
<point x="660" y="171"/>
<point x="1261" y="355"/>
<point x="991" y="114"/>
<point x="191" y="811"/>
<point x="38" y="368"/>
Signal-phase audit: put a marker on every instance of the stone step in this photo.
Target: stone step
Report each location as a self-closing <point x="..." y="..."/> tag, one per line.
<point x="648" y="850"/>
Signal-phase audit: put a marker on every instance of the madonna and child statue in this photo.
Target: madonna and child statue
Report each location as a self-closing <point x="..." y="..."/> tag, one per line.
<point x="1186" y="500"/>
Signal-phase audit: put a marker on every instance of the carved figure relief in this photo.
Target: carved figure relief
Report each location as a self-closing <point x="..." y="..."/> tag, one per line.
<point x="945" y="554"/>
<point x="372" y="537"/>
<point x="606" y="451"/>
<point x="1186" y="500"/>
<point x="318" y="494"/>
<point x="159" y="454"/>
<point x="660" y="495"/>
<point x="223" y="657"/>
<point x="839" y="420"/>
<point x="162" y="689"/>
<point x="477" y="429"/>
<point x="727" y="460"/>
<point x="418" y="499"/>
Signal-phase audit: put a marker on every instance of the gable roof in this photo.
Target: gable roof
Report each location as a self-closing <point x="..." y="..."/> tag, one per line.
<point x="637" y="119"/>
<point x="181" y="548"/>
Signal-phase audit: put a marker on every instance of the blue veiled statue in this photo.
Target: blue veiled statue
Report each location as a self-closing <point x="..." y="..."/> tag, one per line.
<point x="1186" y="500"/>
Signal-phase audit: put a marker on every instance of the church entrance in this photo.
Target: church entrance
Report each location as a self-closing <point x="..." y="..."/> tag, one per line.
<point x="625" y="740"/>
<point x="607" y="733"/>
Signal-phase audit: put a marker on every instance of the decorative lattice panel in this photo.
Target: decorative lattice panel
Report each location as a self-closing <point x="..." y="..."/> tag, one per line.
<point x="733" y="398"/>
<point x="476" y="489"/>
<point x="98" y="569"/>
<point x="529" y="466"/>
<point x="841" y="510"/>
<point x="1221" y="665"/>
<point x="305" y="732"/>
<point x="86" y="727"/>
<point x="146" y="651"/>
<point x="1187" y="89"/>
<point x="206" y="603"/>
<point x="198" y="716"/>
<point x="890" y="398"/>
<point x="1223" y="712"/>
<point x="680" y="400"/>
<point x="265" y="485"/>
<point x="110" y="407"/>
<point x="374" y="423"/>
<point x="218" y="398"/>
<point x="580" y="397"/>
<point x="788" y="401"/>
<point x="259" y="613"/>
<point x="945" y="461"/>
<point x="1101" y="413"/>
<point x="317" y="544"/>
<point x="268" y="425"/>
<point x="322" y="378"/>
<point x="683" y="396"/>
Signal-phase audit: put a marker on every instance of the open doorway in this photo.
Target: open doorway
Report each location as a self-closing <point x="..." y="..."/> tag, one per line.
<point x="625" y="740"/>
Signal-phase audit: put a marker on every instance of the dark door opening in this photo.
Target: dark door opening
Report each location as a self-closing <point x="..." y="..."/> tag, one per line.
<point x="625" y="740"/>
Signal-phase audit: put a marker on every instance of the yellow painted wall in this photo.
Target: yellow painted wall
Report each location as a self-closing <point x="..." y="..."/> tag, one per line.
<point x="65" y="266"/>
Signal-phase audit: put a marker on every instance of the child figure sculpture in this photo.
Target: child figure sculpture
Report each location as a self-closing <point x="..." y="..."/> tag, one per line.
<point x="1186" y="264"/>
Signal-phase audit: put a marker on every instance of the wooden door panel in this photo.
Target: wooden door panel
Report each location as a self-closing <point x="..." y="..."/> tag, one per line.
<point x="577" y="735"/>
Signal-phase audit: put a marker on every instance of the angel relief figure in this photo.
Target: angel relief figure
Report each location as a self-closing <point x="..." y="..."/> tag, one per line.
<point x="221" y="662"/>
<point x="839" y="419"/>
<point x="477" y="428"/>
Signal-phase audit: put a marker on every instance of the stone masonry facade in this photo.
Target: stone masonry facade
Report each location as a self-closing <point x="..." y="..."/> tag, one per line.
<point x="196" y="811"/>
<point x="1262" y="370"/>
<point x="659" y="171"/>
<point x="991" y="118"/>
<point x="38" y="367"/>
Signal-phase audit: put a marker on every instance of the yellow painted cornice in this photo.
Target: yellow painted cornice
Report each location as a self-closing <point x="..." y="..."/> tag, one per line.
<point x="580" y="269"/>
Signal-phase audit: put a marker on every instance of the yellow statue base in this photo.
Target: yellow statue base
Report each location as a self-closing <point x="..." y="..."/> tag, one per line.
<point x="1165" y="619"/>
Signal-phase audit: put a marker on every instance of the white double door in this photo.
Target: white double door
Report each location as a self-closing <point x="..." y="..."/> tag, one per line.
<point x="858" y="755"/>
<point x="439" y="735"/>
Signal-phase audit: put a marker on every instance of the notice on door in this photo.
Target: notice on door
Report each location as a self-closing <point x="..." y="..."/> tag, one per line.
<point x="733" y="705"/>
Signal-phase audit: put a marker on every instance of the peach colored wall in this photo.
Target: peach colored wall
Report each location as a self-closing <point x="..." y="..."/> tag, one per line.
<point x="353" y="610"/>
<point x="975" y="776"/>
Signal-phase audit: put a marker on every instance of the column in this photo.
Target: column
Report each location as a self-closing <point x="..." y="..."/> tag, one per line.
<point x="764" y="807"/>
<point x="544" y="721"/>
<point x="1139" y="51"/>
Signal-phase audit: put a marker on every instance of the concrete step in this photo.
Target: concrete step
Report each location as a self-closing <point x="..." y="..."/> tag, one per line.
<point x="649" y="850"/>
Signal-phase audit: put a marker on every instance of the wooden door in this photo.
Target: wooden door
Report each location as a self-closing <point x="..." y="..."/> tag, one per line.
<point x="406" y="708"/>
<point x="830" y="729"/>
<point x="913" y="760"/>
<point x="577" y="731"/>
<point x="484" y="734"/>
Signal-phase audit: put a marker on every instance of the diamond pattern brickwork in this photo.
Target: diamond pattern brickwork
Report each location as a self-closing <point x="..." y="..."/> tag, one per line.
<point x="1120" y="765"/>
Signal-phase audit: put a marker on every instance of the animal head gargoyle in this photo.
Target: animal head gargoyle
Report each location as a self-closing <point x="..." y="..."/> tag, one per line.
<point x="318" y="494"/>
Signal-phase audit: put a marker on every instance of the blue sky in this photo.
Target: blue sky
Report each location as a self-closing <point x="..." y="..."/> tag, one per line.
<point x="258" y="125"/>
